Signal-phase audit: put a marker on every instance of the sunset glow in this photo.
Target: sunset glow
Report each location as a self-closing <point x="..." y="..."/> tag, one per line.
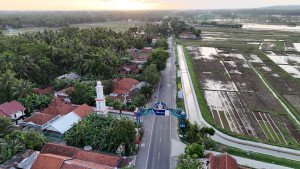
<point x="128" y="5"/>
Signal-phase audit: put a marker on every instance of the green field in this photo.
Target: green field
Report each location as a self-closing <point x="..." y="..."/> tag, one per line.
<point x="116" y="26"/>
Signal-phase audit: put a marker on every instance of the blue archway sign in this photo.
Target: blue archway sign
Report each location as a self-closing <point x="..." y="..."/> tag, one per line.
<point x="160" y="109"/>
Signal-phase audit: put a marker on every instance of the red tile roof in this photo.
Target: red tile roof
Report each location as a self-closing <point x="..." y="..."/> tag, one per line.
<point x="48" y="161"/>
<point x="140" y="58"/>
<point x="60" y="110"/>
<point x="132" y="69"/>
<point x="83" y="111"/>
<point x="65" y="109"/>
<point x="97" y="158"/>
<point x="58" y="149"/>
<point x="64" y="91"/>
<point x="212" y="160"/>
<point x="78" y="164"/>
<point x="124" y="85"/>
<point x="146" y="51"/>
<point x="39" y="118"/>
<point x="10" y="108"/>
<point x="44" y="91"/>
<point x="56" y="102"/>
<point x="225" y="161"/>
<point x="155" y="37"/>
<point x="58" y="156"/>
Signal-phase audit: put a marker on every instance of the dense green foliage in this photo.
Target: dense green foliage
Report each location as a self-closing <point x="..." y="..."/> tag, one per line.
<point x="35" y="102"/>
<point x="185" y="161"/>
<point x="195" y="151"/>
<point x="83" y="93"/>
<point x="151" y="74"/>
<point x="5" y="124"/>
<point x="103" y="133"/>
<point x="162" y="43"/>
<point x="17" y="141"/>
<point x="158" y="57"/>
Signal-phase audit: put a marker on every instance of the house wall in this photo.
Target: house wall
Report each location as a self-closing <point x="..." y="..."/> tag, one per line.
<point x="17" y="115"/>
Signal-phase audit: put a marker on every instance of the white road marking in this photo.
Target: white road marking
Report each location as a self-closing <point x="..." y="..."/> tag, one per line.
<point x="150" y="143"/>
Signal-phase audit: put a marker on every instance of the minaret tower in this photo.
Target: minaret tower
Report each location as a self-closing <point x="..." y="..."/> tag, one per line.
<point x="100" y="100"/>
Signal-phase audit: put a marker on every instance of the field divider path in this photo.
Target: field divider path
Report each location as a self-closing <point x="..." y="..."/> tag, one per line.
<point x="274" y="94"/>
<point x="195" y="115"/>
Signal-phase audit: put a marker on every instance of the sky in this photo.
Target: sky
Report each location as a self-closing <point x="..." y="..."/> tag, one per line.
<point x="137" y="4"/>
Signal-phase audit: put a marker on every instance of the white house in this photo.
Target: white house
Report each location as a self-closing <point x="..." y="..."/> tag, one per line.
<point x="14" y="110"/>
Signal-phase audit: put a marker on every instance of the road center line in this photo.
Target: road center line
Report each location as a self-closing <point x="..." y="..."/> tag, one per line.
<point x="149" y="143"/>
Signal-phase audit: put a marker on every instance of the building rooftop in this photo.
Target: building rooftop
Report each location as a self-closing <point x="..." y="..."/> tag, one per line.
<point x="55" y="156"/>
<point x="9" y="108"/>
<point x="44" y="91"/>
<point x="39" y="118"/>
<point x="83" y="110"/>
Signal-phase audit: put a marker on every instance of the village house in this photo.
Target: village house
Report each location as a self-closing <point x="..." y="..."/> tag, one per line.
<point x="129" y="69"/>
<point x="140" y="58"/>
<point x="70" y="76"/>
<point x="187" y="35"/>
<point x="122" y="89"/>
<point x="154" y="39"/>
<point x="63" y="94"/>
<point x="146" y="50"/>
<point x="132" y="50"/>
<point x="55" y="156"/>
<point x="223" y="161"/>
<point x="39" y="91"/>
<point x="56" y="119"/>
<point x="14" y="110"/>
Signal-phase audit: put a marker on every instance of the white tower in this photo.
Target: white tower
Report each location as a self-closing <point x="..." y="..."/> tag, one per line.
<point x="100" y="100"/>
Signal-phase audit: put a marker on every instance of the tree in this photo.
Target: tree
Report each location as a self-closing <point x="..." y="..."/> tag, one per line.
<point x="195" y="151"/>
<point x="138" y="100"/>
<point x="186" y="162"/>
<point x="146" y="90"/>
<point x="21" y="88"/>
<point x="162" y="43"/>
<point x="139" y="42"/>
<point x="158" y="57"/>
<point x="151" y="74"/>
<point x="83" y="93"/>
<point x="5" y="124"/>
<point x="118" y="104"/>
<point x="33" y="140"/>
<point x="124" y="132"/>
<point x="7" y="80"/>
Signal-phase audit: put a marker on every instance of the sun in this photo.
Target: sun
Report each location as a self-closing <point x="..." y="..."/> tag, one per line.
<point x="129" y="5"/>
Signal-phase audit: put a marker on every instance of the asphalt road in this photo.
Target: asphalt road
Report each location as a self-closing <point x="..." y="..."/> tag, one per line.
<point x="155" y="149"/>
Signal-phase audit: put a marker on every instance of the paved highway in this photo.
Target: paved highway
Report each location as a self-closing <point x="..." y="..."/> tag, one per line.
<point x="155" y="149"/>
<point x="194" y="115"/>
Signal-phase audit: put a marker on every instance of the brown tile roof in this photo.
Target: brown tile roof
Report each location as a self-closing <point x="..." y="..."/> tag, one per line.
<point x="225" y="161"/>
<point x="212" y="160"/>
<point x="44" y="91"/>
<point x="124" y="85"/>
<point x="78" y="164"/>
<point x="48" y="161"/>
<point x="83" y="111"/>
<point x="59" y="150"/>
<point x="39" y="118"/>
<point x="102" y="159"/>
<point x="12" y="107"/>
<point x="64" y="91"/>
<point x="65" y="109"/>
<point x="140" y="58"/>
<point x="146" y="51"/>
<point x="56" y="102"/>
<point x="130" y="68"/>
<point x="155" y="37"/>
<point x="60" y="110"/>
<point x="54" y="156"/>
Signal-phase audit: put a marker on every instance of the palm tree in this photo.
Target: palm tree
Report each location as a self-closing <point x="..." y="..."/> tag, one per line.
<point x="6" y="81"/>
<point x="27" y="63"/>
<point x="21" y="88"/>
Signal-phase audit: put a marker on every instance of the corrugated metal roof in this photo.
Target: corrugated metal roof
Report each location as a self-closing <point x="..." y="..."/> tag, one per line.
<point x="64" y="123"/>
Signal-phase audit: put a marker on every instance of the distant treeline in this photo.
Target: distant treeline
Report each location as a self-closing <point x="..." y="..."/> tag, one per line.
<point x="59" y="19"/>
<point x="223" y="25"/>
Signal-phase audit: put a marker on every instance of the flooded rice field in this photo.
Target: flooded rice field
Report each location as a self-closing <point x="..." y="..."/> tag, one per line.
<point x="237" y="98"/>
